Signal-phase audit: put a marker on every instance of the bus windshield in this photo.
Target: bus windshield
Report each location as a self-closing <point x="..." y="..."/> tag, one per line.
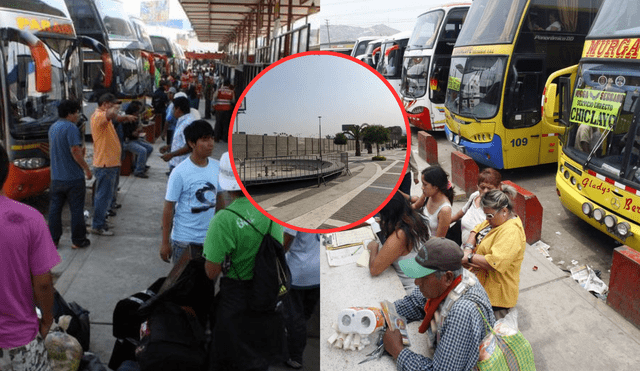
<point x="603" y="132"/>
<point x="115" y="20"/>
<point x="616" y="18"/>
<point x="491" y="22"/>
<point x="425" y="31"/>
<point x="32" y="112"/>
<point x="50" y="7"/>
<point x="475" y="85"/>
<point x="390" y="65"/>
<point x="416" y="72"/>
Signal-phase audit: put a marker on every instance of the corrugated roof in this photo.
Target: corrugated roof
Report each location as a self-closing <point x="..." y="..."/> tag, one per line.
<point x="225" y="21"/>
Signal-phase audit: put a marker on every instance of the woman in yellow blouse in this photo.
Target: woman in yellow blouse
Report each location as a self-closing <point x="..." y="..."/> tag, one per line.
<point x="495" y="249"/>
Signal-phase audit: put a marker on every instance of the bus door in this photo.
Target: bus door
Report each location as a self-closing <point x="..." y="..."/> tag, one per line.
<point x="438" y="76"/>
<point x="523" y="142"/>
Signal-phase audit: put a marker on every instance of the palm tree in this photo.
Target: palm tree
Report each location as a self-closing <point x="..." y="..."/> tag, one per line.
<point x="355" y="132"/>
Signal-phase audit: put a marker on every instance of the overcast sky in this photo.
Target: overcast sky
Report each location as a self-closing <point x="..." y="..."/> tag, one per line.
<point x="398" y="14"/>
<point x="290" y="97"/>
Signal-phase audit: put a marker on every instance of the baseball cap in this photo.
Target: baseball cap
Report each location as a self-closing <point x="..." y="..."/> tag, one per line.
<point x="181" y="94"/>
<point x="437" y="254"/>
<point x="172" y="90"/>
<point x="226" y="177"/>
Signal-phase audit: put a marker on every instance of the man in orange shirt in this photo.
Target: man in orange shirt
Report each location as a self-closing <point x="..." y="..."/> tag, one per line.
<point x="106" y="159"/>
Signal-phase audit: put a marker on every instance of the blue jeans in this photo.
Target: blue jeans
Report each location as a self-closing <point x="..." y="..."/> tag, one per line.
<point x="73" y="192"/>
<point x="142" y="149"/>
<point x="177" y="249"/>
<point x="105" y="184"/>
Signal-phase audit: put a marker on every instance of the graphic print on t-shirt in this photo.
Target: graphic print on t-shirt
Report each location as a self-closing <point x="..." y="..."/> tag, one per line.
<point x="207" y="197"/>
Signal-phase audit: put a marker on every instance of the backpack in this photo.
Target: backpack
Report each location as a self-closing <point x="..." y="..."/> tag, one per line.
<point x="79" y="328"/>
<point x="271" y="275"/>
<point x="175" y="340"/>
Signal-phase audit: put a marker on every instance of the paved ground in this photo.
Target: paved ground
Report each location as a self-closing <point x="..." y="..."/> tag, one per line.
<point x="341" y="200"/>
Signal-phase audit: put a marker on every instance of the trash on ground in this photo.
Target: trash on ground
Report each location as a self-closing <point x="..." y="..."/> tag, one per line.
<point x="543" y="248"/>
<point x="587" y="278"/>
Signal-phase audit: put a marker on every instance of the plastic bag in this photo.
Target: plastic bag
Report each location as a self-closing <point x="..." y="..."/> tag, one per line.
<point x="65" y="352"/>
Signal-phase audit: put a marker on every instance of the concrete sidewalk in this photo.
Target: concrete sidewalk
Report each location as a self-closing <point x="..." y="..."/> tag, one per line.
<point x="568" y="328"/>
<point x="114" y="267"/>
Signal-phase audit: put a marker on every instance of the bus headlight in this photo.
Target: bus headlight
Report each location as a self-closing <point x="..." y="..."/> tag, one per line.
<point x="29" y="163"/>
<point x="623" y="229"/>
<point x="450" y="136"/>
<point x="598" y="215"/>
<point x="566" y="174"/>
<point x="561" y="169"/>
<point x="456" y="139"/>
<point x="573" y="180"/>
<point x="587" y="208"/>
<point x="610" y="221"/>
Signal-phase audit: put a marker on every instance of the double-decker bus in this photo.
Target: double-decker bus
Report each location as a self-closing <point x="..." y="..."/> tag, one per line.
<point x="39" y="66"/>
<point x="499" y="65"/>
<point x="426" y="64"/>
<point x="391" y="51"/>
<point x="596" y="105"/>
<point x="147" y="77"/>
<point x="107" y="22"/>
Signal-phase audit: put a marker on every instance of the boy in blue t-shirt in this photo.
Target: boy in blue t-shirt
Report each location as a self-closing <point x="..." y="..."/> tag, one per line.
<point x="190" y="200"/>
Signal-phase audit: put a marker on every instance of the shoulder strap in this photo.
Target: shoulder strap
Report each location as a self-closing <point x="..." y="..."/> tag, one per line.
<point x="488" y="326"/>
<point x="252" y="226"/>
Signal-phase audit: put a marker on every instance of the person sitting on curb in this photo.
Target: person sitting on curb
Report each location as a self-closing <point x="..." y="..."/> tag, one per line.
<point x="132" y="141"/>
<point x="456" y="315"/>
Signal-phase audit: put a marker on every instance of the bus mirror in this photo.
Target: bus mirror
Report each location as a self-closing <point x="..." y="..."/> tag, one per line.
<point x="549" y="102"/>
<point x="39" y="55"/>
<point x="388" y="51"/>
<point x="99" y="48"/>
<point x="108" y="68"/>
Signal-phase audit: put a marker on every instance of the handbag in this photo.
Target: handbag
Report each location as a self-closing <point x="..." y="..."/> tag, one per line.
<point x="511" y="352"/>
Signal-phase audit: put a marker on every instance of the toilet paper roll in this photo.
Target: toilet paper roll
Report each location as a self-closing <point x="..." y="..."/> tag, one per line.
<point x="346" y="321"/>
<point x="368" y="320"/>
<point x="360" y="320"/>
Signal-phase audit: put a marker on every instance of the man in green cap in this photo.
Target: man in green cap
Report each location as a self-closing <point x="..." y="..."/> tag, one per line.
<point x="451" y="304"/>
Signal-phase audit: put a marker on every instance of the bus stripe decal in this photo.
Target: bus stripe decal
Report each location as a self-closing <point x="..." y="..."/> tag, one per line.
<point x="550" y="135"/>
<point x="613" y="182"/>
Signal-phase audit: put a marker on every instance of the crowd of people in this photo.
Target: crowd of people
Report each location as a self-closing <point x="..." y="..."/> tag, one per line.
<point x="460" y="271"/>
<point x="198" y="188"/>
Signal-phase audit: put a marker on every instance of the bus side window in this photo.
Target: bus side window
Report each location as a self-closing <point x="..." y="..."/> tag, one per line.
<point x="524" y="87"/>
<point x="439" y="75"/>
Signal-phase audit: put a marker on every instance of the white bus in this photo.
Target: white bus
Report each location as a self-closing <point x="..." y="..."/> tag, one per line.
<point x="427" y="59"/>
<point x="390" y="60"/>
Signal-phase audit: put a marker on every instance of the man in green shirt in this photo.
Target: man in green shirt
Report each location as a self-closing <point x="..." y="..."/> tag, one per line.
<point x="230" y="247"/>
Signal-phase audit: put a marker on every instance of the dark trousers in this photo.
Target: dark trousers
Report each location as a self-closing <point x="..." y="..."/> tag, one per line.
<point x="169" y="137"/>
<point x="242" y="339"/>
<point x="207" y="109"/>
<point x="73" y="192"/>
<point x="221" y="128"/>
<point x="405" y="186"/>
<point x="299" y="306"/>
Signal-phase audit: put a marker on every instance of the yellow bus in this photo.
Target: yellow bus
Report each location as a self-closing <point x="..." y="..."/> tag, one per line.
<point x="595" y="106"/>
<point x="500" y="62"/>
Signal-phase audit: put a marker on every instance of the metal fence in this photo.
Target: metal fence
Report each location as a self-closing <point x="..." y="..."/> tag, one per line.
<point x="253" y="171"/>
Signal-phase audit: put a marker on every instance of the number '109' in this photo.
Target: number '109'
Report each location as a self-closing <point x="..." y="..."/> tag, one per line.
<point x="519" y="142"/>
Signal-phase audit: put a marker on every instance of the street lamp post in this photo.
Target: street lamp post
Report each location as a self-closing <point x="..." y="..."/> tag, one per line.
<point x="320" y="135"/>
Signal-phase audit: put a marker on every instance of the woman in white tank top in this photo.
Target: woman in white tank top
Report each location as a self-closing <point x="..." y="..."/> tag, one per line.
<point x="437" y="197"/>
